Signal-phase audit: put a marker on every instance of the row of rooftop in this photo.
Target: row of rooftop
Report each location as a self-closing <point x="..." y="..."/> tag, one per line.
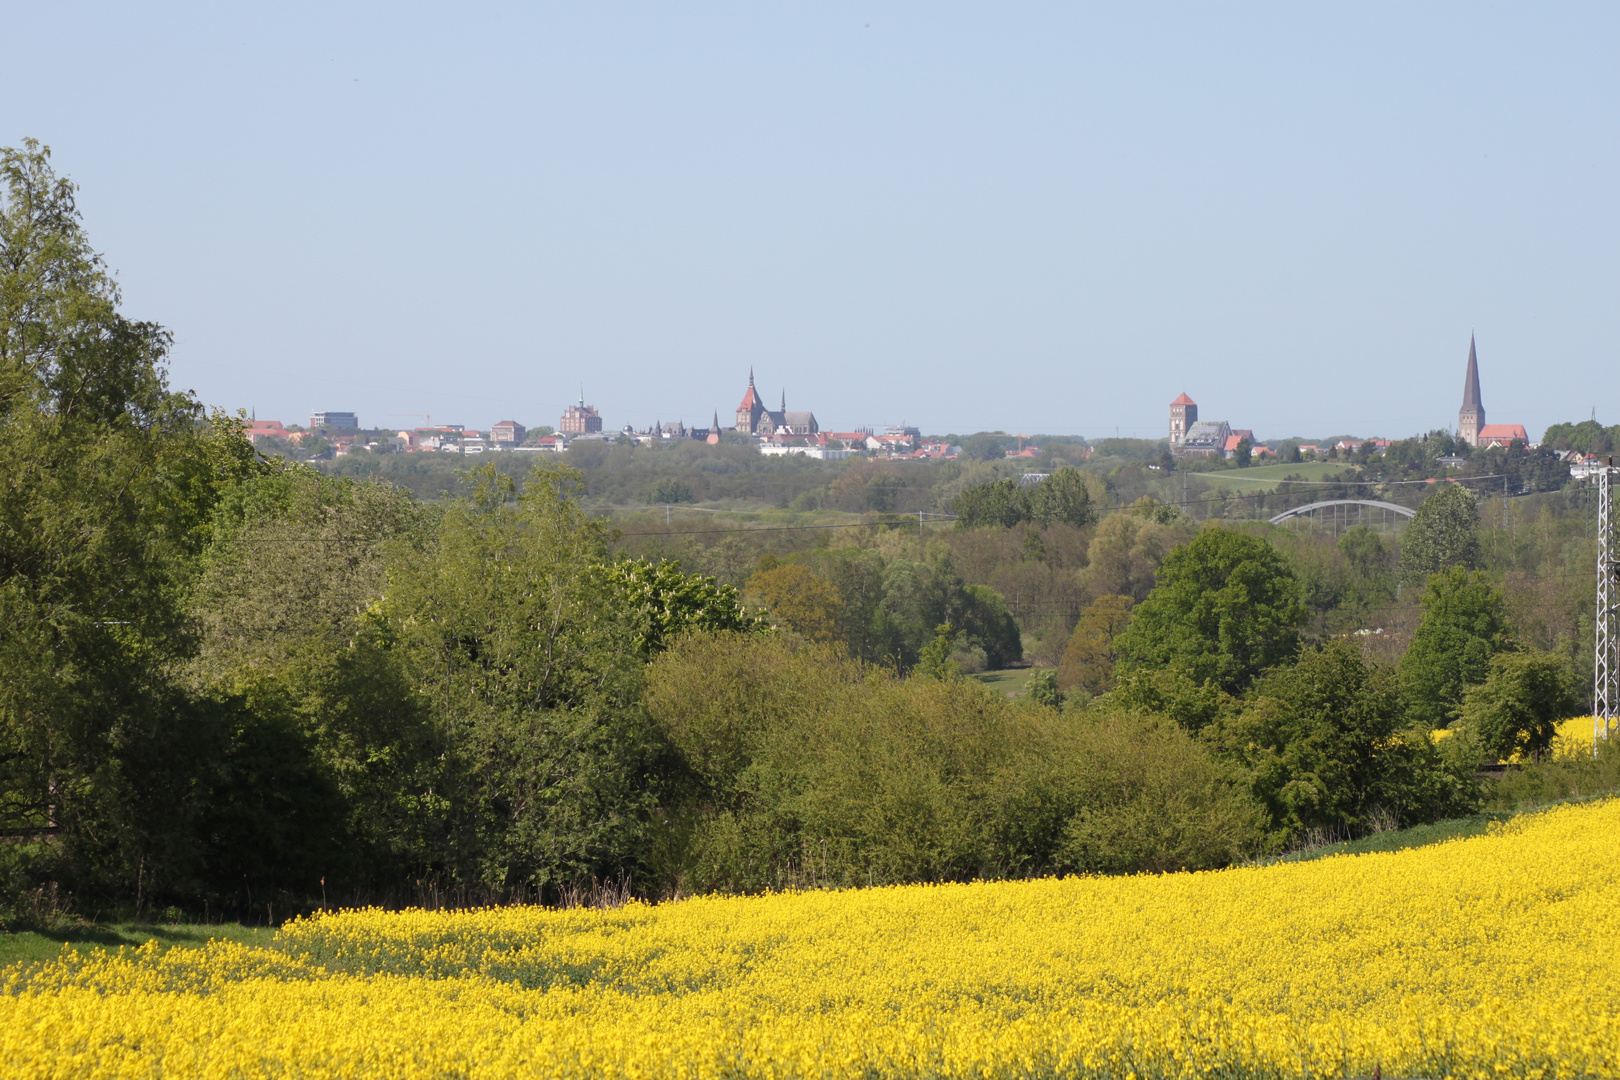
<point x="785" y="431"/>
<point x="1192" y="437"/>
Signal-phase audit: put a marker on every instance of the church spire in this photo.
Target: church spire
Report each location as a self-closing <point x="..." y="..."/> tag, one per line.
<point x="750" y="376"/>
<point x="1471" y="382"/>
<point x="1471" y="417"/>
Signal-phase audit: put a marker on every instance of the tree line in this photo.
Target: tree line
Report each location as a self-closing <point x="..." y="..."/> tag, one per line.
<point x="241" y="686"/>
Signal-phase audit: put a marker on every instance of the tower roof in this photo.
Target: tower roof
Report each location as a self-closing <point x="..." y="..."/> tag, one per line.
<point x="1471" y="381"/>
<point x="1184" y="400"/>
<point x="751" y="398"/>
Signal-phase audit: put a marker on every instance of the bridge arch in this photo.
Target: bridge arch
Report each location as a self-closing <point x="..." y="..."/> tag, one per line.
<point x="1310" y="508"/>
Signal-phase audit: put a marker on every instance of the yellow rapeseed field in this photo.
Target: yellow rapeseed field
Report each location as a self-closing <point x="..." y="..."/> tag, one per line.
<point x="1492" y="956"/>
<point x="1574" y="738"/>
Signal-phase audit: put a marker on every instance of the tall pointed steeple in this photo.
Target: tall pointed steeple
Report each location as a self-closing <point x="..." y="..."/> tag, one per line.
<point x="1471" y="417"/>
<point x="1471" y="382"/>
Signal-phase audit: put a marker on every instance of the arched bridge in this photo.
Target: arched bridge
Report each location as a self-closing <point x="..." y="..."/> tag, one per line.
<point x="1310" y="508"/>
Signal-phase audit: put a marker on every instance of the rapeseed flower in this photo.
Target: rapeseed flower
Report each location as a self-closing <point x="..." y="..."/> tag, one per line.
<point x="1490" y="956"/>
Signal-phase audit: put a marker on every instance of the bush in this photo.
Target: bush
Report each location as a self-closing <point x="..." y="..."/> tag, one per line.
<point x="1553" y="780"/>
<point x="1152" y="798"/>
<point x="1516" y="710"/>
<point x="809" y="769"/>
<point x="1328" y="752"/>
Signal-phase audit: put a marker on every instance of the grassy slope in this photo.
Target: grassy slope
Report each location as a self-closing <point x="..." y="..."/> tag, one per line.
<point x="1265" y="477"/>
<point x="1009" y="681"/>
<point x="1400" y="839"/>
<point x="42" y="945"/>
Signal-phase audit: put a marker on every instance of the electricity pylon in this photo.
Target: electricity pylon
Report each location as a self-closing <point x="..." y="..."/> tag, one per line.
<point x="1606" y="671"/>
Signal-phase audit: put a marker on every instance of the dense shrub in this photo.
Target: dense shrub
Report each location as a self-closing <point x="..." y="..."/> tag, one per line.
<point x="806" y="767"/>
<point x="1328" y="751"/>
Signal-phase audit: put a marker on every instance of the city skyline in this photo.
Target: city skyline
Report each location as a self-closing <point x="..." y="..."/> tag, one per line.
<point x="1037" y="219"/>
<point x="1183" y="411"/>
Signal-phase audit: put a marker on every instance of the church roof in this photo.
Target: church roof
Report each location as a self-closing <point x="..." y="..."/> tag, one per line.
<point x="1504" y="432"/>
<point x="751" y="398"/>
<point x="1471" y="381"/>
<point x="1184" y="400"/>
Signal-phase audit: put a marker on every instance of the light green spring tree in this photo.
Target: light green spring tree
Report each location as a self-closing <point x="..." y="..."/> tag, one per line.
<point x="1443" y="533"/>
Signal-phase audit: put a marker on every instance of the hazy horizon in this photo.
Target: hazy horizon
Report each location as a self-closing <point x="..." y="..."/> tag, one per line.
<point x="1043" y="218"/>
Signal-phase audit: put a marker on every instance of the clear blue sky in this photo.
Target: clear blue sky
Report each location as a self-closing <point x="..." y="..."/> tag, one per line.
<point x="1041" y="218"/>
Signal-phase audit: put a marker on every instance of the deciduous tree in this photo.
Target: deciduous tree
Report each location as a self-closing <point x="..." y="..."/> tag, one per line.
<point x="1465" y="623"/>
<point x="109" y="479"/>
<point x="1516" y="710"/>
<point x="1227" y="606"/>
<point x="1443" y="533"/>
<point x="798" y="598"/>
<point x="1088" y="661"/>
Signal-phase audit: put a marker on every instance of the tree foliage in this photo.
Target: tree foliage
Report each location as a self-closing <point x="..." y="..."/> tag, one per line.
<point x="534" y="678"/>
<point x="811" y="768"/>
<point x="1062" y="496"/>
<point x="797" y="598"/>
<point x="664" y="603"/>
<point x="1515" y="712"/>
<point x="1326" y="745"/>
<point x="1128" y="548"/>
<point x="1442" y="534"/>
<point x="1226" y="607"/>
<point x="1465" y="624"/>
<point x="1089" y="659"/>
<point x="109" y="479"/>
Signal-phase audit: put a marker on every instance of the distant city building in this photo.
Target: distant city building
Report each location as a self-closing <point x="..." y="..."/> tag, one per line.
<point x="1471" y="417"/>
<point x="753" y="418"/>
<point x="1585" y="466"/>
<point x="507" y="433"/>
<point x="1234" y="438"/>
<point x="340" y="420"/>
<point x="265" y="429"/>
<point x="1183" y="415"/>
<point x="1471" y="426"/>
<point x="820" y="453"/>
<point x="439" y="437"/>
<point x="903" y="430"/>
<point x="1502" y="434"/>
<point x="581" y="419"/>
<point x="1204" y="438"/>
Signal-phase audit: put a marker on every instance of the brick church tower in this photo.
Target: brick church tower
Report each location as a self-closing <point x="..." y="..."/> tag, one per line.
<point x="752" y="410"/>
<point x="1183" y="415"/>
